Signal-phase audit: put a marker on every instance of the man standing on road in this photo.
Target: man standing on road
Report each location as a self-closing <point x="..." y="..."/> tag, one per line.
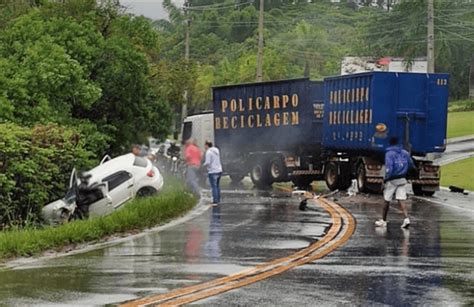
<point x="193" y="156"/>
<point x="397" y="164"/>
<point x="214" y="170"/>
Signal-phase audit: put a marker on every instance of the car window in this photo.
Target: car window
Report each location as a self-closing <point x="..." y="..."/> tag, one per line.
<point x="141" y="162"/>
<point x="117" y="179"/>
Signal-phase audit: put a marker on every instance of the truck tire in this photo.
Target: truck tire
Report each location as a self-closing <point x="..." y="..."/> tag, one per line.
<point x="260" y="175"/>
<point x="331" y="176"/>
<point x="302" y="182"/>
<point x="418" y="190"/>
<point x="345" y="178"/>
<point x="362" y="179"/>
<point x="278" y="170"/>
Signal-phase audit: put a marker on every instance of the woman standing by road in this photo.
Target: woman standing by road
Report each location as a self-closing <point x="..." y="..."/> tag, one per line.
<point x="214" y="170"/>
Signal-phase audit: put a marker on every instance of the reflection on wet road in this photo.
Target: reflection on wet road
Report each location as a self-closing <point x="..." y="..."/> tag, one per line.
<point x="431" y="263"/>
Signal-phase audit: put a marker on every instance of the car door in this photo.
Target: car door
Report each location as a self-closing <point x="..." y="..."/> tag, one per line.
<point x="120" y="187"/>
<point x="103" y="205"/>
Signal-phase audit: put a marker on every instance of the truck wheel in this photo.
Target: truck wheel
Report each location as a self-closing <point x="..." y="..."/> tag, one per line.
<point x="345" y="178"/>
<point x="259" y="175"/>
<point x="428" y="193"/>
<point x="361" y="179"/>
<point x="277" y="170"/>
<point x="302" y="182"/>
<point x="418" y="190"/>
<point x="331" y="176"/>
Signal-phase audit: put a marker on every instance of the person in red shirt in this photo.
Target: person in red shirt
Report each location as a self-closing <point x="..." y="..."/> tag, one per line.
<point x="193" y="155"/>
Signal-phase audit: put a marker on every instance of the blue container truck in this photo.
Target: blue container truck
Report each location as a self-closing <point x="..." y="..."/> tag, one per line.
<point x="270" y="129"/>
<point x="336" y="130"/>
<point x="363" y="111"/>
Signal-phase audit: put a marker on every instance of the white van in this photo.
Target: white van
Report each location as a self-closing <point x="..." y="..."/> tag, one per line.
<point x="199" y="127"/>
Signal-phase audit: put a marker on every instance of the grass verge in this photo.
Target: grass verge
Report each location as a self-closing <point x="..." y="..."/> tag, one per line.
<point x="458" y="174"/>
<point x="138" y="214"/>
<point x="460" y="124"/>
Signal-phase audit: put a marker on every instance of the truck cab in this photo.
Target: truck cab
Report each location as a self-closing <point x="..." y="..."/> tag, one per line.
<point x="199" y="127"/>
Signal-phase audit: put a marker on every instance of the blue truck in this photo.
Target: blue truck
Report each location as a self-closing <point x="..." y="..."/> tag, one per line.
<point x="334" y="130"/>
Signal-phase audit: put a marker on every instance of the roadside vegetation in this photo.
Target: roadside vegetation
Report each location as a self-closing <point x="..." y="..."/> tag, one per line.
<point x="460" y="124"/>
<point x="138" y="214"/>
<point x="458" y="174"/>
<point x="461" y="105"/>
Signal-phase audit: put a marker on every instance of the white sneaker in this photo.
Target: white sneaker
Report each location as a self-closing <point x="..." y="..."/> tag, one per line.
<point x="406" y="223"/>
<point x="381" y="223"/>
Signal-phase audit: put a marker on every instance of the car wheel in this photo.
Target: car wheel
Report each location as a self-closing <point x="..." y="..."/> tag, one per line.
<point x="146" y="192"/>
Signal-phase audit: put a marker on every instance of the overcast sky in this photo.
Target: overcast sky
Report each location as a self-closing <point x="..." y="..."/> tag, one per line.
<point x="149" y="8"/>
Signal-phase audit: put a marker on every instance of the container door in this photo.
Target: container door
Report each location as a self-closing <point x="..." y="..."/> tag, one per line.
<point x="437" y="113"/>
<point x="412" y="111"/>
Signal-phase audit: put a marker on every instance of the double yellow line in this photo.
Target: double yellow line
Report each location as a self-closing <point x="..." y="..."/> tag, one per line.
<point x="343" y="226"/>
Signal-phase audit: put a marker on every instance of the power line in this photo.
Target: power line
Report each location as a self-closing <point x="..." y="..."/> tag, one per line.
<point x="458" y="35"/>
<point x="217" y="6"/>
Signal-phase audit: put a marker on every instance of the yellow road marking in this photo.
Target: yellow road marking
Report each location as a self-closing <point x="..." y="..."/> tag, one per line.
<point x="343" y="226"/>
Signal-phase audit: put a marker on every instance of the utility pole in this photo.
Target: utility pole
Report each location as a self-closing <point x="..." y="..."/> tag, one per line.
<point x="471" y="79"/>
<point x="260" y="44"/>
<point x="184" y="108"/>
<point x="430" y="38"/>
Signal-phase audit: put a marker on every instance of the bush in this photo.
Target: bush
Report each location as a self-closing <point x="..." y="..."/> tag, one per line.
<point x="461" y="105"/>
<point x="137" y="214"/>
<point x="35" y="164"/>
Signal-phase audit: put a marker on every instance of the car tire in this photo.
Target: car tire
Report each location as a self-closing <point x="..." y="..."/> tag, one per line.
<point x="146" y="192"/>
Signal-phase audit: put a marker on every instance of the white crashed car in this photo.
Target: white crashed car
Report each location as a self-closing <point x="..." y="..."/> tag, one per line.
<point x="105" y="188"/>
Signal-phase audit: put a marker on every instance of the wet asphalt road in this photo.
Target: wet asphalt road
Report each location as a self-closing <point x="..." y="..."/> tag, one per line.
<point x="456" y="151"/>
<point x="432" y="263"/>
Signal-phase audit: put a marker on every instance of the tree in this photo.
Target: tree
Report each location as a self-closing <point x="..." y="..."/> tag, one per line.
<point x="402" y="32"/>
